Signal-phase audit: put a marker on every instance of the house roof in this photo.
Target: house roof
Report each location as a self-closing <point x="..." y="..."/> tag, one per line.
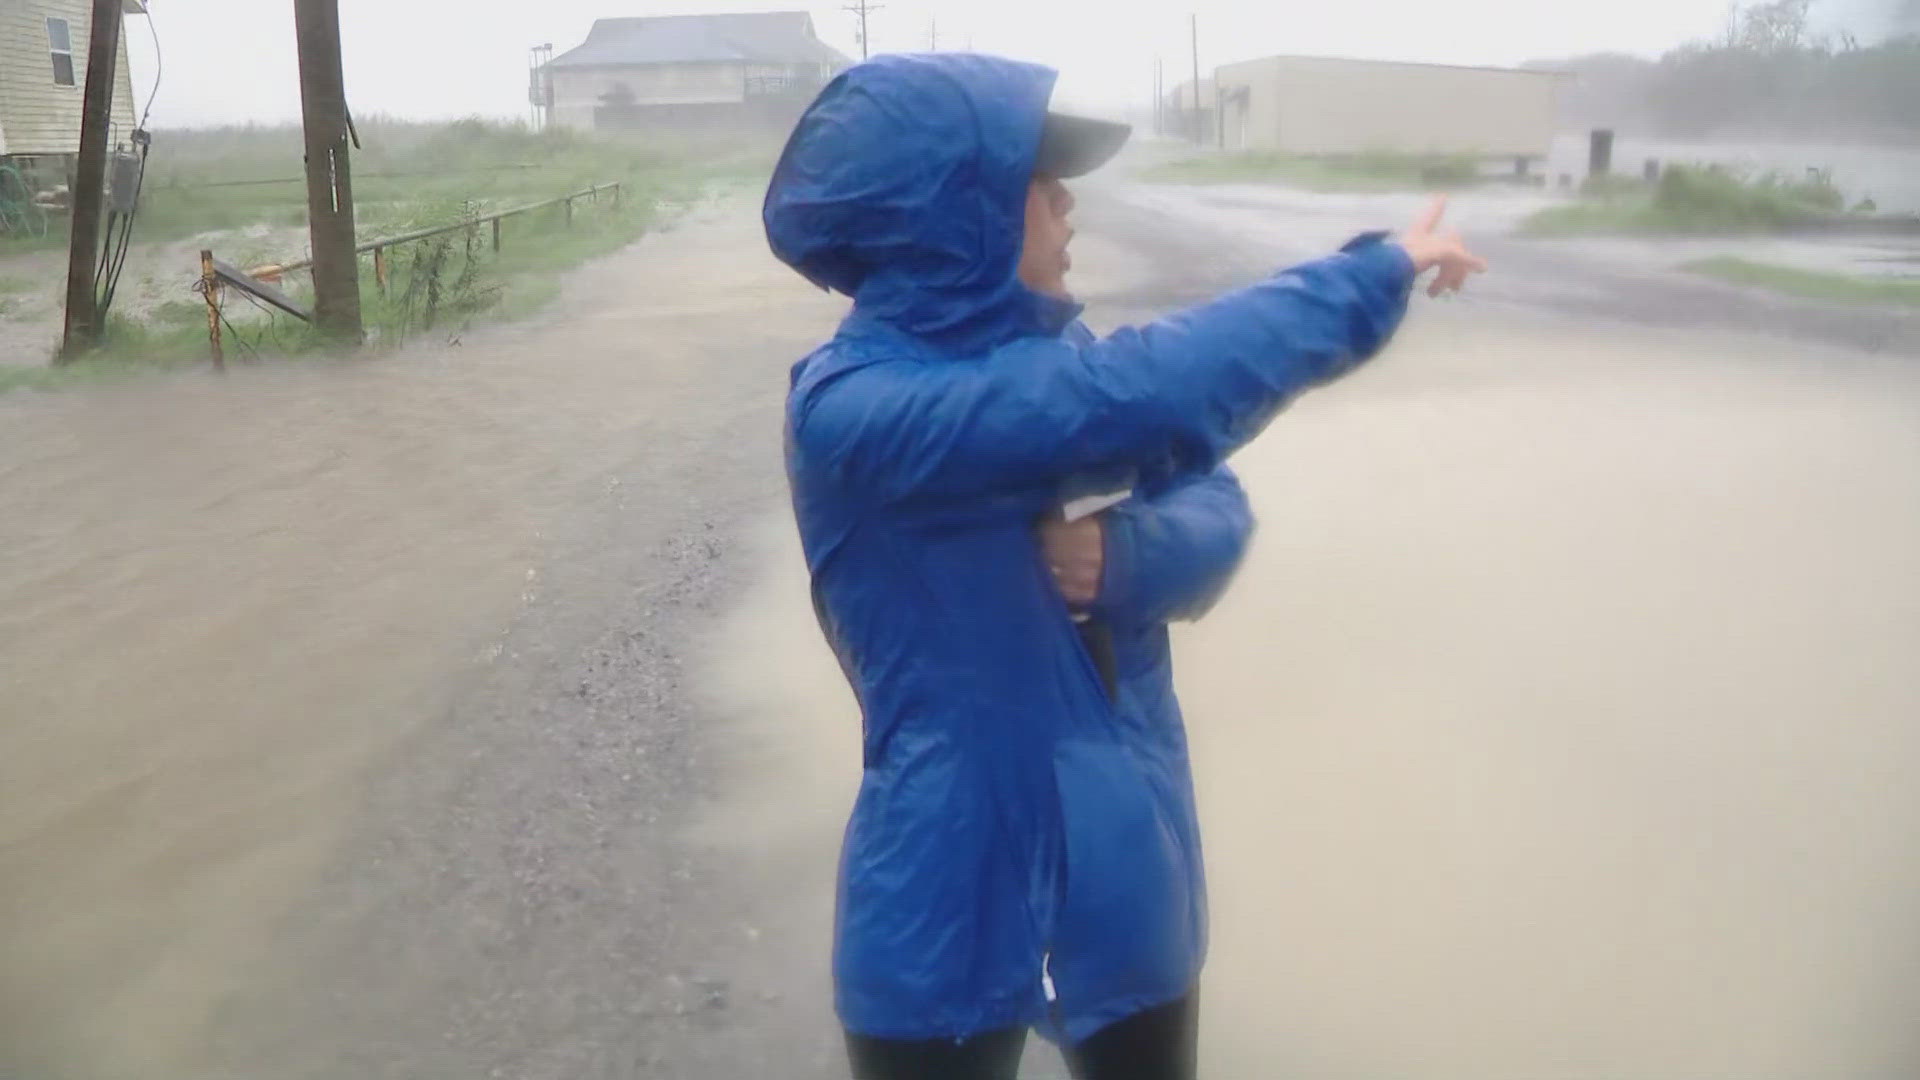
<point x="774" y="37"/>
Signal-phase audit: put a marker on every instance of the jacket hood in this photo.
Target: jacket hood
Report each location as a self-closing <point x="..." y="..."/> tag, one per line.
<point x="904" y="186"/>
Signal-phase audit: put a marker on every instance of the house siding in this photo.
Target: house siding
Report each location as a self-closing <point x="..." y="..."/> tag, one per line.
<point x="38" y="117"/>
<point x="577" y="92"/>
<point x="692" y="91"/>
<point x="702" y="72"/>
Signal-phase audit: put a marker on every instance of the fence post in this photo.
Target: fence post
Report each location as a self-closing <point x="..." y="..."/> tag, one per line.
<point x="569" y="202"/>
<point x="210" y="287"/>
<point x="380" y="269"/>
<point x="616" y="194"/>
<point x="496" y="236"/>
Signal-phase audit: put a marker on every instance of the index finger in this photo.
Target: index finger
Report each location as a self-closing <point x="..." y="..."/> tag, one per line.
<point x="1430" y="221"/>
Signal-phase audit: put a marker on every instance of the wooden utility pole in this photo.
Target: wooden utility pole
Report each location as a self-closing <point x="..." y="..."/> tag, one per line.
<point x="82" y="330"/>
<point x="861" y="8"/>
<point x="1199" y="125"/>
<point x="1159" y="98"/>
<point x="323" y="110"/>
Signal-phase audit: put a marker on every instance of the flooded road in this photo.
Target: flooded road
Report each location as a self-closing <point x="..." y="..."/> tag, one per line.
<point x="462" y="713"/>
<point x="219" y="601"/>
<point x="225" y="604"/>
<point x="1559" y="724"/>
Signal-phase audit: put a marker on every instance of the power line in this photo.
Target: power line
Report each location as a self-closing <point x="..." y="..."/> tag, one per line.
<point x="113" y="258"/>
<point x="159" y="68"/>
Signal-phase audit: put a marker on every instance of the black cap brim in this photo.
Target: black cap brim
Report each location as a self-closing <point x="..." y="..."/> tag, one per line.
<point x="1073" y="146"/>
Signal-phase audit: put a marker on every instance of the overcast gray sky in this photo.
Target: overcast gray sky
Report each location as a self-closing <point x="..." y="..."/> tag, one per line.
<point x="232" y="61"/>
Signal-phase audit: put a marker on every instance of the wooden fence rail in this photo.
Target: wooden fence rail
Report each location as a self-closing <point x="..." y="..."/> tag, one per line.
<point x="260" y="281"/>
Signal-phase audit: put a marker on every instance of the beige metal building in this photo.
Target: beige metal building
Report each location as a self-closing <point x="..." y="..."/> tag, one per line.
<point x="43" y="73"/>
<point x="1323" y="106"/>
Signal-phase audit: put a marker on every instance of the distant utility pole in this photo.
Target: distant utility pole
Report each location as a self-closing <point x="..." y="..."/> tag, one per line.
<point x="1199" y="125"/>
<point x="323" y="112"/>
<point x="1159" y="97"/>
<point x="540" y="85"/>
<point x="82" y="329"/>
<point x="861" y="8"/>
<point x="933" y="34"/>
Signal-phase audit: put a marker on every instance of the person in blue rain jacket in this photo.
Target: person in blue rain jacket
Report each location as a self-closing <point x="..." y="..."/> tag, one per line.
<point x="1023" y="851"/>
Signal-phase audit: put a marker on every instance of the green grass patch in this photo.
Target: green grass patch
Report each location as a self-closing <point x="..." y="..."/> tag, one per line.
<point x="132" y="347"/>
<point x="42" y="378"/>
<point x="446" y="174"/>
<point x="214" y="180"/>
<point x="1354" y="172"/>
<point x="1808" y="284"/>
<point x="438" y="286"/>
<point x="1691" y="200"/>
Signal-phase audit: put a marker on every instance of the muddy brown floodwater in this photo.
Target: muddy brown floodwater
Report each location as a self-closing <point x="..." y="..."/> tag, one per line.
<point x="219" y="601"/>
<point x="225" y="602"/>
<point x="1561" y="723"/>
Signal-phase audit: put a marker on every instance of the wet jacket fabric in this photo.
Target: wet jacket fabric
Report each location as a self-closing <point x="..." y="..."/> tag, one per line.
<point x="1012" y="818"/>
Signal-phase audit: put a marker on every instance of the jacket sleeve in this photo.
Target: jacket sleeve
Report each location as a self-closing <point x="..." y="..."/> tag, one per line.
<point x="1186" y="389"/>
<point x="1170" y="555"/>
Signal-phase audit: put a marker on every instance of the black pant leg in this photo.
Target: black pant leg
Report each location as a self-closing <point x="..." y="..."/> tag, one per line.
<point x="1162" y="1043"/>
<point x="994" y="1055"/>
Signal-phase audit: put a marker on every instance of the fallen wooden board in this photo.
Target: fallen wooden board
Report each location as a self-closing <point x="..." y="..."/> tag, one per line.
<point x="247" y="283"/>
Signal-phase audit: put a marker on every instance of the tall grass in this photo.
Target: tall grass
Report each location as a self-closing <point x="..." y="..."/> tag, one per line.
<point x="1694" y="200"/>
<point x="440" y="286"/>
<point x="239" y="190"/>
<point x="251" y="177"/>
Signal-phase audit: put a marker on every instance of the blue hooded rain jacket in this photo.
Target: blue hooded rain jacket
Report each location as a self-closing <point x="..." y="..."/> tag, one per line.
<point x="1012" y="818"/>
